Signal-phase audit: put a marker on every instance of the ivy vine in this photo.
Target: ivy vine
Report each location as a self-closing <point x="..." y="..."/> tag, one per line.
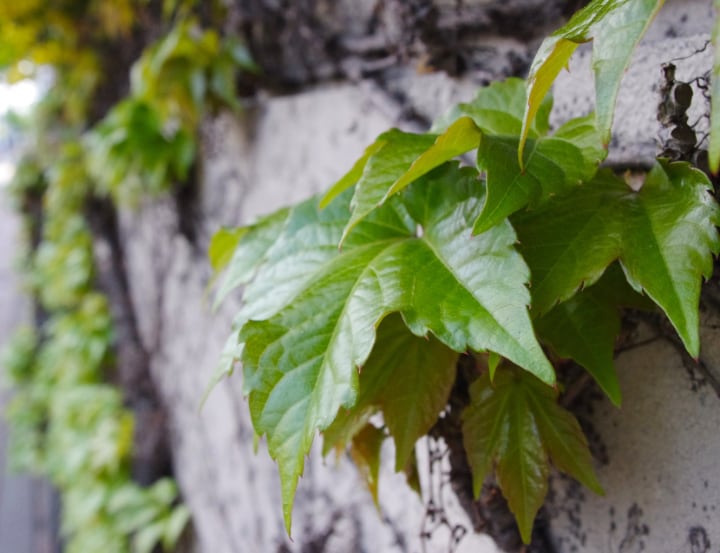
<point x="361" y="301"/>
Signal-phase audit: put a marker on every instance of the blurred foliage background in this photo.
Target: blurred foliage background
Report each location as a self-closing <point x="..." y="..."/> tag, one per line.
<point x="125" y="85"/>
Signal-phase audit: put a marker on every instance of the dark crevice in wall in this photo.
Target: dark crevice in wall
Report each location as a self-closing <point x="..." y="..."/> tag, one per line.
<point x="151" y="451"/>
<point x="186" y="198"/>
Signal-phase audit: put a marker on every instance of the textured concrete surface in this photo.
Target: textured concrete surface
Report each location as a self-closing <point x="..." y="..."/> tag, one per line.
<point x="657" y="460"/>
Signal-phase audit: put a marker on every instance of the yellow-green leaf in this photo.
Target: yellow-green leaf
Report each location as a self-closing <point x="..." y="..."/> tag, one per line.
<point x="365" y="452"/>
<point x="460" y="137"/>
<point x="714" y="149"/>
<point x="615" y="26"/>
<point x="222" y="246"/>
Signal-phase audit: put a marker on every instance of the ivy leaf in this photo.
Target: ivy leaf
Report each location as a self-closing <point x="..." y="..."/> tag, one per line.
<point x="714" y="149"/>
<point x="349" y="179"/>
<point x="664" y="236"/>
<point x="302" y="360"/>
<point x="307" y="239"/>
<point x="222" y="246"/>
<point x="346" y="425"/>
<point x="460" y="137"/>
<point x="584" y="328"/>
<point x="252" y="243"/>
<point x="516" y="423"/>
<point x="274" y="261"/>
<point x="409" y="378"/>
<point x="412" y="475"/>
<point x="552" y="165"/>
<point x="582" y="132"/>
<point x="365" y="452"/>
<point x="498" y="109"/>
<point x="420" y="375"/>
<point x="616" y="27"/>
<point x="397" y="158"/>
<point x="383" y="162"/>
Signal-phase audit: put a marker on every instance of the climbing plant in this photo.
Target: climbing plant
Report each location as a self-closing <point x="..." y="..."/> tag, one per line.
<point x="68" y="421"/>
<point x="361" y="301"/>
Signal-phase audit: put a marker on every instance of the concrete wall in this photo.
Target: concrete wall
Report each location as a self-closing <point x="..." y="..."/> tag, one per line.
<point x="656" y="456"/>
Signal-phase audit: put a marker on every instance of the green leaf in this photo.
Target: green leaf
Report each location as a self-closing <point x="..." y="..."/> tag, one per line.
<point x="222" y="246"/>
<point x="412" y="475"/>
<point x="229" y="355"/>
<point x="616" y="27"/>
<point x="552" y="165"/>
<point x="301" y="362"/>
<point x="396" y="158"/>
<point x="389" y="163"/>
<point x="714" y="148"/>
<point x="351" y="177"/>
<point x="252" y="243"/>
<point x="663" y="235"/>
<point x="308" y="239"/>
<point x="460" y="137"/>
<point x="346" y="425"/>
<point x="584" y="328"/>
<point x="493" y="361"/>
<point x="409" y="378"/>
<point x="174" y="526"/>
<point x="498" y="109"/>
<point x="148" y="537"/>
<point x="517" y="424"/>
<point x="419" y="374"/>
<point x="365" y="452"/>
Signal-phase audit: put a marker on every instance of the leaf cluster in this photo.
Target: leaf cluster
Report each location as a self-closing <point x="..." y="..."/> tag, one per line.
<point x="70" y="426"/>
<point x="147" y="142"/>
<point x="359" y="303"/>
<point x="66" y="421"/>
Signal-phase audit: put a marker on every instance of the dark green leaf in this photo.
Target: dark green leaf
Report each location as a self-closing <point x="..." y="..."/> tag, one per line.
<point x="552" y="165"/>
<point x="419" y="376"/>
<point x="664" y="236"/>
<point x="517" y="424"/>
<point x="412" y="475"/>
<point x="585" y="327"/>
